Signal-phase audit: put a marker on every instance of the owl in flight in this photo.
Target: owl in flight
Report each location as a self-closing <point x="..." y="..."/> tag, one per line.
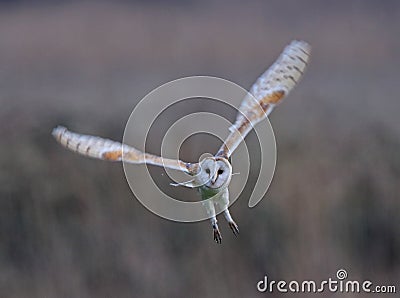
<point x="212" y="175"/>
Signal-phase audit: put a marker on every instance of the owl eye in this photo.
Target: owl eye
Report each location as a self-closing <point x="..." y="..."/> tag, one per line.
<point x="208" y="171"/>
<point x="220" y="171"/>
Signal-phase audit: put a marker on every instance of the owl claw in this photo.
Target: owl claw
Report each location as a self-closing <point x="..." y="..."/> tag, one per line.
<point x="217" y="234"/>
<point x="234" y="228"/>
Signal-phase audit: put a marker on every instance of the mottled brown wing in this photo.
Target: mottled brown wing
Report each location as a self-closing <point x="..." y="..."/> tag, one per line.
<point x="105" y="149"/>
<point x="268" y="91"/>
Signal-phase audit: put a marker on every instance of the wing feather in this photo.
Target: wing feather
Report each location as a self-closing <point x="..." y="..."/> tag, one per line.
<point x="268" y="91"/>
<point x="105" y="149"/>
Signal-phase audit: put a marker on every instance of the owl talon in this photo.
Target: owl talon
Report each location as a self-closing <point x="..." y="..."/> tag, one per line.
<point x="217" y="234"/>
<point x="234" y="228"/>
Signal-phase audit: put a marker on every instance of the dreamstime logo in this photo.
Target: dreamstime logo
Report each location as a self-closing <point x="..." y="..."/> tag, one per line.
<point x="334" y="285"/>
<point x="341" y="274"/>
<point x="166" y="97"/>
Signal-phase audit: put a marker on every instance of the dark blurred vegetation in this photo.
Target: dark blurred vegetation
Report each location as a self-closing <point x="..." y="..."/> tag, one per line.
<point x="70" y="227"/>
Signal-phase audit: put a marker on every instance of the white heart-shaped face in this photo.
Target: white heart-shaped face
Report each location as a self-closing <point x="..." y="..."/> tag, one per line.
<point x="215" y="172"/>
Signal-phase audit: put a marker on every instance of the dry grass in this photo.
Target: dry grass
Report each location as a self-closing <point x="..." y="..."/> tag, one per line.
<point x="70" y="226"/>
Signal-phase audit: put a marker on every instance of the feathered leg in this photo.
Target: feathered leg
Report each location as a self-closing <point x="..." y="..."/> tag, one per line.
<point x="225" y="204"/>
<point x="209" y="205"/>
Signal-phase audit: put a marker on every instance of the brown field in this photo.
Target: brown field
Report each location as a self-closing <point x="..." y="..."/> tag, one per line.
<point x="70" y="226"/>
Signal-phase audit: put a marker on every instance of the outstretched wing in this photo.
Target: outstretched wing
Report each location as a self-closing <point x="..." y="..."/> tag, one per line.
<point x="268" y="91"/>
<point x="105" y="149"/>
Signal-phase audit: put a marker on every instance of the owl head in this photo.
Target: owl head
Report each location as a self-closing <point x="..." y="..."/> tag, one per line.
<point x="214" y="172"/>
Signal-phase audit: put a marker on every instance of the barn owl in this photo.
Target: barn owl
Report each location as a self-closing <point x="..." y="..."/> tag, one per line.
<point x="212" y="175"/>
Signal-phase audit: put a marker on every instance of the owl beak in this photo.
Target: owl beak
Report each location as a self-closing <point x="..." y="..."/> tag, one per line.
<point x="214" y="178"/>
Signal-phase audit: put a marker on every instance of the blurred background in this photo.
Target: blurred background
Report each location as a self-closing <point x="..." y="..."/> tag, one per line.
<point x="70" y="226"/>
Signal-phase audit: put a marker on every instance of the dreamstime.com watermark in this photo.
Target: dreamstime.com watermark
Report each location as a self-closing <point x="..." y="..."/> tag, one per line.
<point x="339" y="284"/>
